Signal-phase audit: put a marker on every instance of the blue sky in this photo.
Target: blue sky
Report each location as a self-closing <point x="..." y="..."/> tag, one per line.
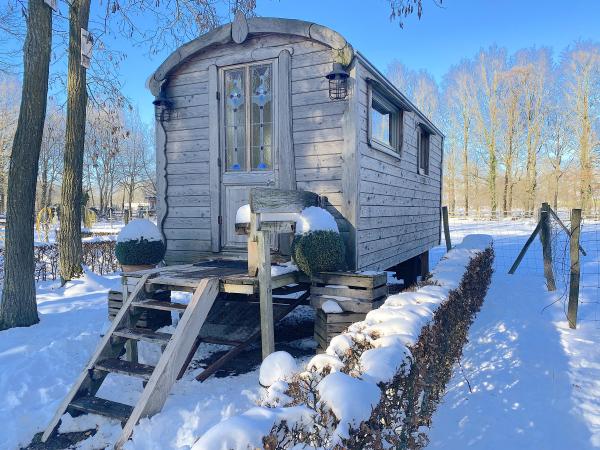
<point x="440" y="39"/>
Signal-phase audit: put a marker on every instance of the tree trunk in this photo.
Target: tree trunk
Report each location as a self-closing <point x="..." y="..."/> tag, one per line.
<point x="531" y="171"/>
<point x="72" y="186"/>
<point x="492" y="165"/>
<point x="555" y="200"/>
<point x="505" y="193"/>
<point x="452" y="182"/>
<point x="44" y="187"/>
<point x="466" y="163"/>
<point x="18" y="307"/>
<point x="585" y="159"/>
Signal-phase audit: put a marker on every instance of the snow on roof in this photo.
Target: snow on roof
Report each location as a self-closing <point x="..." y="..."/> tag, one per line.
<point x="138" y="229"/>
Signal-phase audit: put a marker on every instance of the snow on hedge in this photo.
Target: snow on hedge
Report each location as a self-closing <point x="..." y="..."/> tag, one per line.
<point x="277" y="366"/>
<point x="138" y="229"/>
<point x="314" y="218"/>
<point x="391" y="330"/>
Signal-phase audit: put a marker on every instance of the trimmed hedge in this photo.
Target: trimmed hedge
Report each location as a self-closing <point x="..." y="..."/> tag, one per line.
<point x="319" y="251"/>
<point x="410" y="399"/>
<point x="98" y="256"/>
<point x="140" y="251"/>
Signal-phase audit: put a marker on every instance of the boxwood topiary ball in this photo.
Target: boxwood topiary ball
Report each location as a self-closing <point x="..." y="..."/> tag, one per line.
<point x="142" y="251"/>
<point x="319" y="251"/>
<point x="140" y="243"/>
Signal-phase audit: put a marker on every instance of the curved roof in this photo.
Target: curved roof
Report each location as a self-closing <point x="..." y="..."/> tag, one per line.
<point x="237" y="32"/>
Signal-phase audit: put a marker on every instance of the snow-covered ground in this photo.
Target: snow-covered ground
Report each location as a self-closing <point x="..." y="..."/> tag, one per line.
<point x="39" y="363"/>
<point x="535" y="383"/>
<point x="526" y="380"/>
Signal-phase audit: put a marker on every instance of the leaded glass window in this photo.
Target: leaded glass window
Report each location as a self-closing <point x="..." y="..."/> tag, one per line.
<point x="248" y="106"/>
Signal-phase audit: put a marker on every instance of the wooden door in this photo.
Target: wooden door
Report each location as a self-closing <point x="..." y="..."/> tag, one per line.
<point x="247" y="131"/>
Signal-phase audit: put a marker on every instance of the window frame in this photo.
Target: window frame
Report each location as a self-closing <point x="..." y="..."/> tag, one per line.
<point x="396" y="127"/>
<point x="423" y="161"/>
<point x="222" y="128"/>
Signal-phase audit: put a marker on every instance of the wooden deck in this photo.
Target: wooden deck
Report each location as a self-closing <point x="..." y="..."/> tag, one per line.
<point x="232" y="274"/>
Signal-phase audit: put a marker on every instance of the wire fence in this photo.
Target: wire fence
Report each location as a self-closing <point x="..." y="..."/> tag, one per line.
<point x="511" y="230"/>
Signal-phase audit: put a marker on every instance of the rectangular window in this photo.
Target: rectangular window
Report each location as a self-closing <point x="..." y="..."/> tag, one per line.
<point x="384" y="121"/>
<point x="423" y="139"/>
<point x="248" y="121"/>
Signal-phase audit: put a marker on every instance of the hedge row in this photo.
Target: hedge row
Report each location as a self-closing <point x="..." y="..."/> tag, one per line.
<point x="98" y="256"/>
<point x="407" y="402"/>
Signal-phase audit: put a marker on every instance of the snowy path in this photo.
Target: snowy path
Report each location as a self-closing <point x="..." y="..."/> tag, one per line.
<point x="535" y="384"/>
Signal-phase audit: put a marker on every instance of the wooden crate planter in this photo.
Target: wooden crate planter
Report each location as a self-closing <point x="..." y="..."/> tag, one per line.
<point x="327" y="326"/>
<point x="150" y="319"/>
<point x="356" y="294"/>
<point x="360" y="293"/>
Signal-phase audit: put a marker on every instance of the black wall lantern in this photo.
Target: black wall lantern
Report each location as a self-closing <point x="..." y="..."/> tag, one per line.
<point x="338" y="82"/>
<point x="162" y="107"/>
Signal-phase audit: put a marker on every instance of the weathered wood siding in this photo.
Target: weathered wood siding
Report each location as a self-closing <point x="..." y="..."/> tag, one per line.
<point x="316" y="132"/>
<point x="399" y="210"/>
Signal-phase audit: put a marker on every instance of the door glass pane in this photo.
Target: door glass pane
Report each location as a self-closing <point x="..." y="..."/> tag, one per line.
<point x="261" y="116"/>
<point x="235" y="120"/>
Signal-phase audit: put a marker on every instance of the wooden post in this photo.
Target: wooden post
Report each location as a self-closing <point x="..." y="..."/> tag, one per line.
<point x="252" y="248"/>
<point x="424" y="257"/>
<point x="131" y="348"/>
<point x="546" y="238"/>
<point x="266" y="294"/>
<point x="574" y="277"/>
<point x="446" y="228"/>
<point x="524" y="249"/>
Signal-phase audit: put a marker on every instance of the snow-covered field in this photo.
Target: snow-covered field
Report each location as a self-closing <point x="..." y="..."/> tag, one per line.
<point x="534" y="383"/>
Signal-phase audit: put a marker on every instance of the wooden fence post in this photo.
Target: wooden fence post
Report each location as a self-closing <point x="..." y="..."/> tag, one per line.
<point x="446" y="228"/>
<point x="575" y="268"/>
<point x="546" y="238"/>
<point x="266" y="293"/>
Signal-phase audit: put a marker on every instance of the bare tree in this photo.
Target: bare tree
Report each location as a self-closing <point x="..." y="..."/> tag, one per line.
<point x="18" y="307"/>
<point x="401" y="9"/>
<point x="460" y="97"/>
<point x="491" y="64"/>
<point x="133" y="158"/>
<point x="71" y="194"/>
<point x="535" y="67"/>
<point x="50" y="156"/>
<point x="12" y="33"/>
<point x="10" y="97"/>
<point x="557" y="149"/>
<point x="511" y="100"/>
<point x="581" y="71"/>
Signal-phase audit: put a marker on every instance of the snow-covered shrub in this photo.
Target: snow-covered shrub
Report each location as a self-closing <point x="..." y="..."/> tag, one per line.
<point x="276" y="367"/>
<point x="410" y="396"/>
<point x="140" y="242"/>
<point x="319" y="251"/>
<point x="318" y="245"/>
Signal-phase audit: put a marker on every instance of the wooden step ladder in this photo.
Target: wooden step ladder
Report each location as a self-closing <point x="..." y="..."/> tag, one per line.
<point x="159" y="379"/>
